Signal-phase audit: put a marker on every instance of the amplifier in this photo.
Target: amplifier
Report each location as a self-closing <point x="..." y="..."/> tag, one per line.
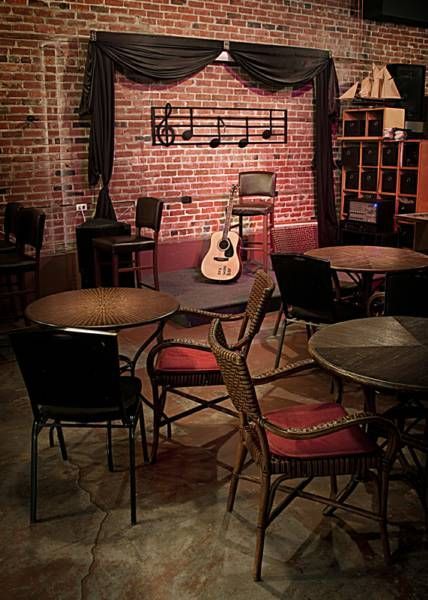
<point x="378" y="212"/>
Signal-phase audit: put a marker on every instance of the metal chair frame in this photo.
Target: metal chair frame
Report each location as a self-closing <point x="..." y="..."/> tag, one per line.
<point x="148" y="217"/>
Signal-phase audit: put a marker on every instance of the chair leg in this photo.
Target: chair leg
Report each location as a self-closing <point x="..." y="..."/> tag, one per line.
<point x="143" y="436"/>
<point x="115" y="269"/>
<point x="342" y="496"/>
<point x="278" y="320"/>
<point x="383" y="485"/>
<point x="261" y="525"/>
<point x="61" y="441"/>
<point x="109" y="448"/>
<point x="97" y="268"/>
<point x="132" y="486"/>
<point x="158" y="406"/>
<point x="240" y="458"/>
<point x="280" y="344"/>
<point x="265" y="242"/>
<point x="33" y="496"/>
<point x="155" y="268"/>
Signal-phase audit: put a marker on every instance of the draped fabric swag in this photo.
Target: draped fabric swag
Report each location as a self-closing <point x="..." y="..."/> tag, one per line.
<point x="167" y="59"/>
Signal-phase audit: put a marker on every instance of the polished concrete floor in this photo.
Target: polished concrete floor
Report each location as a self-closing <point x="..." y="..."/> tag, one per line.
<point x="185" y="546"/>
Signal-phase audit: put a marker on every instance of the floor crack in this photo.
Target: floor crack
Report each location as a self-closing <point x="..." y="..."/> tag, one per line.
<point x="100" y="526"/>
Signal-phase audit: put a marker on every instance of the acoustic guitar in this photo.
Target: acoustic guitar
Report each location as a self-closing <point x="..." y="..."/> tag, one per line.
<point x="222" y="261"/>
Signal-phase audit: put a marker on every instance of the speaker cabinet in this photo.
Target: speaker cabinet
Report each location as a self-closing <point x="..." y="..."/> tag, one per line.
<point x="351" y="157"/>
<point x="370" y="155"/>
<point x="406" y="205"/>
<point x="390" y="155"/>
<point x="375" y="127"/>
<point x="389" y="181"/>
<point x="410" y="155"/>
<point x="410" y="81"/>
<point x="351" y="180"/>
<point x="369" y="180"/>
<point x="354" y="128"/>
<point x="409" y="182"/>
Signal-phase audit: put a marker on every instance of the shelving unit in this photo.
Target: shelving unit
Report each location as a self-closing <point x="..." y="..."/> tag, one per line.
<point x="381" y="178"/>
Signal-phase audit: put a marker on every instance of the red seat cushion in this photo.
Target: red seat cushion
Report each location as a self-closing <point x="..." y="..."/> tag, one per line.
<point x="181" y="358"/>
<point x="347" y="441"/>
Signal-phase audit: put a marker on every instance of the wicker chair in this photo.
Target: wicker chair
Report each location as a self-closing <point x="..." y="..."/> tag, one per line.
<point x="175" y="364"/>
<point x="302" y="442"/>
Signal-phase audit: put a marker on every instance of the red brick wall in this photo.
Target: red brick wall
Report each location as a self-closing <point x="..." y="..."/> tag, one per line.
<point x="42" y="55"/>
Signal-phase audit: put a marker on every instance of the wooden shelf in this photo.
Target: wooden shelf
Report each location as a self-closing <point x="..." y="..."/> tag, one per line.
<point x="377" y="169"/>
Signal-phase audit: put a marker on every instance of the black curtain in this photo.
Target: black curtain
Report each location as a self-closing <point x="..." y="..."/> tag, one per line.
<point x="145" y="58"/>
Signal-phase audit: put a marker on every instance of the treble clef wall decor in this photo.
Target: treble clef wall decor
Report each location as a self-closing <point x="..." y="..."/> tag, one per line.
<point x="164" y="132"/>
<point x="214" y="127"/>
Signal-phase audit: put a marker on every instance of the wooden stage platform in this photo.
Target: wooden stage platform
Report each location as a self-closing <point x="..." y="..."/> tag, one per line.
<point x="193" y="290"/>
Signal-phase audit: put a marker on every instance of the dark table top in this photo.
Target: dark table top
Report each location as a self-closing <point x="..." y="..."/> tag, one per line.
<point x="102" y="308"/>
<point x="370" y="259"/>
<point x="386" y="353"/>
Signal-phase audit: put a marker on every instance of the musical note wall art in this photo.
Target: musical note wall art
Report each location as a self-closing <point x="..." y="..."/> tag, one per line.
<point x="212" y="127"/>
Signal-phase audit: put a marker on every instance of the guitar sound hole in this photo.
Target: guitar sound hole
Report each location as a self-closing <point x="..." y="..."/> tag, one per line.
<point x="223" y="244"/>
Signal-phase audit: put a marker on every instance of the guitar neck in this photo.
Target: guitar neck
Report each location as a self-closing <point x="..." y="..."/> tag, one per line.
<point x="228" y="217"/>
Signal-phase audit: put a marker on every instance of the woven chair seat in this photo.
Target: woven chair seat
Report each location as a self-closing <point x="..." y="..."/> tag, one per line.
<point x="185" y="359"/>
<point x="345" y="442"/>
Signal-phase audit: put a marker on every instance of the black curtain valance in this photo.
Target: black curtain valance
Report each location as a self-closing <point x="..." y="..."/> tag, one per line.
<point x="146" y="58"/>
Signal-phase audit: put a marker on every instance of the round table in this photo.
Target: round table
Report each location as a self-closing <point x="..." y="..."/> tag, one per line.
<point x="105" y="308"/>
<point x="366" y="261"/>
<point x="381" y="353"/>
<point x="370" y="259"/>
<point x="102" y="308"/>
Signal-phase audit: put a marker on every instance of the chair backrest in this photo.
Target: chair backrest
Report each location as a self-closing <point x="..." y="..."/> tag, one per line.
<point x="306" y="285"/>
<point x="295" y="238"/>
<point x="257" y="183"/>
<point x="234" y="369"/>
<point x="10" y="219"/>
<point x="406" y="293"/>
<point x="71" y="368"/>
<point x="256" y="308"/>
<point x="30" y="228"/>
<point x="148" y="213"/>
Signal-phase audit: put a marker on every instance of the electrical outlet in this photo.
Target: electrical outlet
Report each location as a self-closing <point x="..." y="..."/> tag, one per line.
<point x="81" y="207"/>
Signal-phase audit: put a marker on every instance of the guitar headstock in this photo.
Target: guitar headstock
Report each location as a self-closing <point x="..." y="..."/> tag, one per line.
<point x="233" y="190"/>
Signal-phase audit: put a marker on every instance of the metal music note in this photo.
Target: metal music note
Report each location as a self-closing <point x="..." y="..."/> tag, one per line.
<point x="216" y="141"/>
<point x="188" y="134"/>
<point x="244" y="141"/>
<point x="267" y="133"/>
<point x="217" y="126"/>
<point x="164" y="132"/>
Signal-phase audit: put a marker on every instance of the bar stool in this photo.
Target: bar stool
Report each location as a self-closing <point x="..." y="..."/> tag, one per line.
<point x="148" y="216"/>
<point x="257" y="192"/>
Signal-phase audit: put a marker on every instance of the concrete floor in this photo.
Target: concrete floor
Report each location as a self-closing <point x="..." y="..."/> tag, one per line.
<point x="185" y="546"/>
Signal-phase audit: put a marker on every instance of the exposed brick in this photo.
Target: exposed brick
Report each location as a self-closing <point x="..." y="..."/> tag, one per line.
<point x="43" y="55"/>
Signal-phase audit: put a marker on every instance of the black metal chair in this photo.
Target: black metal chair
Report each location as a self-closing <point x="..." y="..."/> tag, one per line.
<point x="73" y="380"/>
<point x="308" y="293"/>
<point x="25" y="259"/>
<point x="10" y="221"/>
<point x="124" y="251"/>
<point x="178" y="364"/>
<point x="257" y="193"/>
<point x="406" y="293"/>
